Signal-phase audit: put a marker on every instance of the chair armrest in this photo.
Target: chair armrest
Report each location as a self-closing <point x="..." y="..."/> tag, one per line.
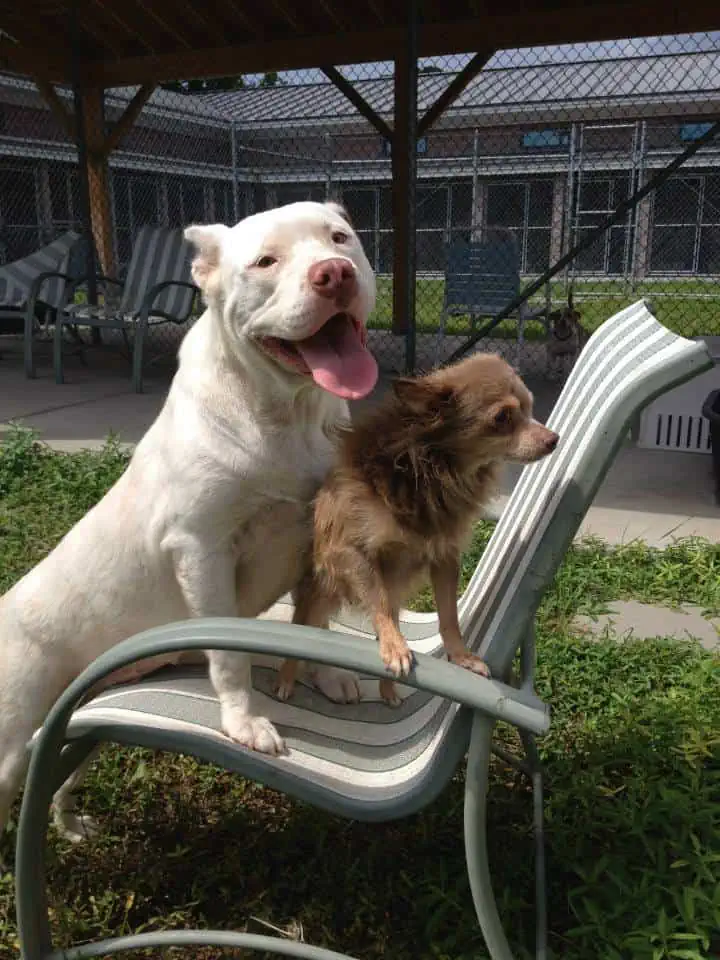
<point x="491" y="697"/>
<point x="37" y="284"/>
<point x="154" y="292"/>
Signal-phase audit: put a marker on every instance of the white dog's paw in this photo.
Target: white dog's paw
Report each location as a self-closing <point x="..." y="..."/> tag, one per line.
<point x="76" y="828"/>
<point x="340" y="686"/>
<point x="255" y="733"/>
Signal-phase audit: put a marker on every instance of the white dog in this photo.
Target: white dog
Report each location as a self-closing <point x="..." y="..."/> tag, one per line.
<point x="211" y="517"/>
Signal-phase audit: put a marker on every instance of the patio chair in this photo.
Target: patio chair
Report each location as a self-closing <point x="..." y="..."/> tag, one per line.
<point x="482" y="278"/>
<point x="37" y="283"/>
<point x="157" y="289"/>
<point x="360" y="760"/>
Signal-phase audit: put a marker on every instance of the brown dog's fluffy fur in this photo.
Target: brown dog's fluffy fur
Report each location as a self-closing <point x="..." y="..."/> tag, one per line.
<point x="400" y="504"/>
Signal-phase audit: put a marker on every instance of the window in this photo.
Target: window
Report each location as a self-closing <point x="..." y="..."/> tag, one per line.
<point x="541" y="202"/>
<point x="223" y="203"/>
<point x="676" y="201"/>
<point x="462" y="201"/>
<point x="506" y="204"/>
<point x="361" y="205"/>
<point x="693" y="131"/>
<point x="676" y="211"/>
<point x="185" y="201"/>
<point x="422" y="146"/>
<point x="542" y="139"/>
<point x="297" y="193"/>
<point x="431" y="207"/>
<point x="20" y="221"/>
<point x="672" y="249"/>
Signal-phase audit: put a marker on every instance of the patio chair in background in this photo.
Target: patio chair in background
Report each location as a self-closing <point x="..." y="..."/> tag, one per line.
<point x="157" y="289"/>
<point x="41" y="282"/>
<point x="350" y="759"/>
<point x="481" y="278"/>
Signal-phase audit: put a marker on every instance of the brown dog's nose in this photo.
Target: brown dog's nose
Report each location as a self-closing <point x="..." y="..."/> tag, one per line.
<point x="551" y="442"/>
<point x="334" y="278"/>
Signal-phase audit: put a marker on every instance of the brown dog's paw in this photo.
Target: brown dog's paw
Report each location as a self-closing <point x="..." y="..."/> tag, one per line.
<point x="469" y="661"/>
<point x="397" y="656"/>
<point x="285" y="686"/>
<point x="388" y="692"/>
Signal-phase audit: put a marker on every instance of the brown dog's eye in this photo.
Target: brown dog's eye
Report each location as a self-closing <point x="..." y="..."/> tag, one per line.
<point x="265" y="261"/>
<point x="339" y="237"/>
<point x="503" y="419"/>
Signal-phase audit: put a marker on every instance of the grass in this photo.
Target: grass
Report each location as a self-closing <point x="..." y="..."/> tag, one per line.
<point x="688" y="307"/>
<point x="633" y="770"/>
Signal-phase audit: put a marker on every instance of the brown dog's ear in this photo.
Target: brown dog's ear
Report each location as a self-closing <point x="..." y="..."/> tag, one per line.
<point x="340" y="210"/>
<point x="422" y="395"/>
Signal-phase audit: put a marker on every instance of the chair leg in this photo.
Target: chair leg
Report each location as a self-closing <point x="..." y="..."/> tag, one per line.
<point x="535" y="765"/>
<point x="57" y="349"/>
<point x="30" y="884"/>
<point x="29" y="329"/>
<point x="476" y="852"/>
<point x="139" y="341"/>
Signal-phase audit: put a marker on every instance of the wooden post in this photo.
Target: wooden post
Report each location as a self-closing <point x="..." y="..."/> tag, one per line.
<point x="98" y="179"/>
<point x="404" y="169"/>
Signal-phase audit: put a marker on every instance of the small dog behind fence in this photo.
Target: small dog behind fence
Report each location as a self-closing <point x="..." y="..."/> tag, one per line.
<point x="567" y="338"/>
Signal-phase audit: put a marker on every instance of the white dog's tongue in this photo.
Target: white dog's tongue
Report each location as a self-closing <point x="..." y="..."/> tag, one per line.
<point x="338" y="360"/>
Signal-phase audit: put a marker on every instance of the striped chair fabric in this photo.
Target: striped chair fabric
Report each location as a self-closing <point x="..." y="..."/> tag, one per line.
<point x="17" y="278"/>
<point x="158" y="254"/>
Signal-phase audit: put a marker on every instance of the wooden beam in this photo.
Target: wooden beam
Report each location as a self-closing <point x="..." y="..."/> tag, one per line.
<point x="453" y="90"/>
<point x="98" y="178"/>
<point x="166" y="24"/>
<point x="32" y="62"/>
<point x="572" y="24"/>
<point x="125" y="121"/>
<point x="404" y="168"/>
<point x="358" y="101"/>
<point x="62" y="114"/>
<point x="286" y="53"/>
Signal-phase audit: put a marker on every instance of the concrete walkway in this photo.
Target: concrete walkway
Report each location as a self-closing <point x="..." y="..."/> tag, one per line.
<point x="651" y="495"/>
<point x="629" y="618"/>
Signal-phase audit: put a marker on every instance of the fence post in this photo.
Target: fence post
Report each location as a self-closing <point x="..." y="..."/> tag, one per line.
<point x="404" y="167"/>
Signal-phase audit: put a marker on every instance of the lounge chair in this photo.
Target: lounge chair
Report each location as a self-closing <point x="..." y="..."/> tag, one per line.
<point x="157" y="289"/>
<point x="482" y="278"/>
<point x="44" y="280"/>
<point x="349" y="759"/>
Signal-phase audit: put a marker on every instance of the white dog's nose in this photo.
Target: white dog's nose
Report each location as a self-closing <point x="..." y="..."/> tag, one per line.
<point x="333" y="278"/>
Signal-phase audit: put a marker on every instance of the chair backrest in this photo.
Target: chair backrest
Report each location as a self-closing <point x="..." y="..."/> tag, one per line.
<point x="159" y="254"/>
<point x="17" y="278"/>
<point x="627" y="362"/>
<point x="482" y="278"/>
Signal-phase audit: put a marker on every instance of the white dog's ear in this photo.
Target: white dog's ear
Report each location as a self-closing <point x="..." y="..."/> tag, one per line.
<point x="208" y="241"/>
<point x="340" y="210"/>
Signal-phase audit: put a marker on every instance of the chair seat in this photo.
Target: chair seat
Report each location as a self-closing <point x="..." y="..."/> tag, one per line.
<point x="100" y="316"/>
<point x="366" y="761"/>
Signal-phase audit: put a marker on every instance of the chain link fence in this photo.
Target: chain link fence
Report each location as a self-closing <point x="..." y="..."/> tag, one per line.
<point x="535" y="153"/>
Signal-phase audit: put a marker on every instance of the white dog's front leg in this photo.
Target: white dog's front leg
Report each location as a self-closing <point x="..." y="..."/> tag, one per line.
<point x="207" y="580"/>
<point x="231" y="678"/>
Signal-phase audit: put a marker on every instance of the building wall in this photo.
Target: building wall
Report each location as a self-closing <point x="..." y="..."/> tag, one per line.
<point x="527" y="179"/>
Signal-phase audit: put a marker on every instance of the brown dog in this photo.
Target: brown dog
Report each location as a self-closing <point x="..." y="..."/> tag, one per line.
<point x="567" y="337"/>
<point x="402" y="499"/>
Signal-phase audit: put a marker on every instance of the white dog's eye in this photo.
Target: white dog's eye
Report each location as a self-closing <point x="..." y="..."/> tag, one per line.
<point x="265" y="261"/>
<point x="339" y="237"/>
